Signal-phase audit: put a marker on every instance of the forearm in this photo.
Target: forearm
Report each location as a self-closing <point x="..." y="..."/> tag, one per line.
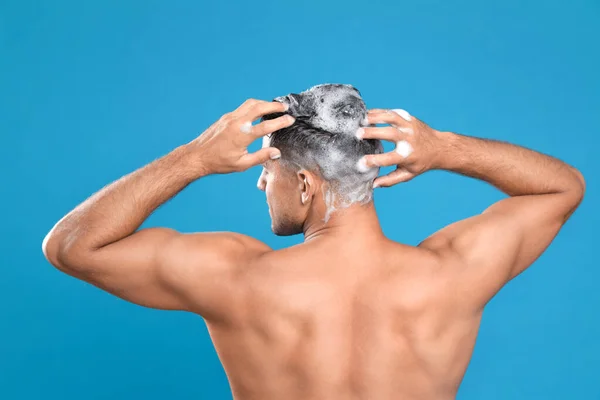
<point x="118" y="209"/>
<point x="513" y="169"/>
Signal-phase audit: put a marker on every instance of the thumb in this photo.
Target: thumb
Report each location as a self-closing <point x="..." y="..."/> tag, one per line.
<point x="259" y="157"/>
<point x="399" y="175"/>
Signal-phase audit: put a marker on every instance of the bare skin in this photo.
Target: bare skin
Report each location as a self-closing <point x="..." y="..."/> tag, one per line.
<point x="348" y="314"/>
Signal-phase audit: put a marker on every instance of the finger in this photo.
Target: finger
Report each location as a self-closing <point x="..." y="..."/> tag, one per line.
<point x="377" y="110"/>
<point x="401" y="152"/>
<point x="403" y="113"/>
<point x="391" y="118"/>
<point x="243" y="108"/>
<point x="381" y="160"/>
<point x="261" y="108"/>
<point x="247" y="105"/>
<point x="403" y="148"/>
<point x="385" y="133"/>
<point x="397" y="176"/>
<point x="272" y="125"/>
<point x="259" y="157"/>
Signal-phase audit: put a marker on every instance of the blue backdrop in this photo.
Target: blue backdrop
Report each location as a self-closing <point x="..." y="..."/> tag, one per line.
<point x="90" y="91"/>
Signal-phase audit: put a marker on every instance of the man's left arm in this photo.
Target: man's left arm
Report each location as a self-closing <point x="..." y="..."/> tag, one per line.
<point x="160" y="267"/>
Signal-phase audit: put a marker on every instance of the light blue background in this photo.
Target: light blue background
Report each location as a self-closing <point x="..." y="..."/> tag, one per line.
<point x="90" y="91"/>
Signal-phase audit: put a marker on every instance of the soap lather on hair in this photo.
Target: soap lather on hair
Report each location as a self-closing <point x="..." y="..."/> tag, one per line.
<point x="334" y="108"/>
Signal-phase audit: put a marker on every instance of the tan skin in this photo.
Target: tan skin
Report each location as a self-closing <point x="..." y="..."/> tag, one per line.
<point x="349" y="313"/>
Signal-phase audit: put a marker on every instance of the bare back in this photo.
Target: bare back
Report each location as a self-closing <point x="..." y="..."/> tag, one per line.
<point x="320" y="321"/>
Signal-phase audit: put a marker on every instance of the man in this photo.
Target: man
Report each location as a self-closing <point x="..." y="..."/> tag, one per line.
<point x="347" y="314"/>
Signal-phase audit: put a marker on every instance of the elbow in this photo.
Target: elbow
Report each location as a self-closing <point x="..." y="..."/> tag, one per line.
<point x="581" y="181"/>
<point x="54" y="251"/>
<point x="53" y="243"/>
<point x="578" y="192"/>
<point x="578" y="185"/>
<point x="50" y="249"/>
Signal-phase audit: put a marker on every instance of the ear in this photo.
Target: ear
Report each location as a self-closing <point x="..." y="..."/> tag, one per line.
<point x="307" y="184"/>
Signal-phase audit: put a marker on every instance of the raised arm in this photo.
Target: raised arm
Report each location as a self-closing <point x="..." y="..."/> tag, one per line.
<point x="511" y="234"/>
<point x="99" y="240"/>
<point x="491" y="248"/>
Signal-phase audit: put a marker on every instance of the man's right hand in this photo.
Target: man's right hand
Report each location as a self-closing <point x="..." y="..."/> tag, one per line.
<point x="223" y="147"/>
<point x="417" y="145"/>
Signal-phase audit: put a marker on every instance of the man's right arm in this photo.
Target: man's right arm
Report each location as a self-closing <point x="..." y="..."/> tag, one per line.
<point x="497" y="245"/>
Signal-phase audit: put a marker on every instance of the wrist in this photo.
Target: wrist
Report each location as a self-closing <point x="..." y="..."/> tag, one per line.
<point x="192" y="162"/>
<point x="446" y="150"/>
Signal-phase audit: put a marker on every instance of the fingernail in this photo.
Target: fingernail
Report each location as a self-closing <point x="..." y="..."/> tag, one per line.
<point x="375" y="185"/>
<point x="360" y="132"/>
<point x="403" y="113"/>
<point x="286" y="106"/>
<point x="291" y="119"/>
<point x="275" y="156"/>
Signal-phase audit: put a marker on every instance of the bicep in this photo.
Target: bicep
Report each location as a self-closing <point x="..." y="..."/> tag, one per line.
<point x="494" y="247"/>
<point x="132" y="268"/>
<point x="524" y="226"/>
<point x="162" y="268"/>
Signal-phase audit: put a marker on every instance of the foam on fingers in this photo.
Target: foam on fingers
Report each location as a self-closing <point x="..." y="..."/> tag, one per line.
<point x="361" y="165"/>
<point x="403" y="148"/>
<point x="403" y="113"/>
<point x="246" y="127"/>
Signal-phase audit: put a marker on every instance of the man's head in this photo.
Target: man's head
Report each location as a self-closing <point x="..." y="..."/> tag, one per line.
<point x="318" y="171"/>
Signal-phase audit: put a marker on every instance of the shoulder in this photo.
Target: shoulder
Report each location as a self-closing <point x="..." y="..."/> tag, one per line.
<point x="457" y="241"/>
<point x="203" y="269"/>
<point x="219" y="247"/>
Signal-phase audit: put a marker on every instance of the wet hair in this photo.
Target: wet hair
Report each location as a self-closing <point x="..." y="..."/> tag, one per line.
<point x="333" y="155"/>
